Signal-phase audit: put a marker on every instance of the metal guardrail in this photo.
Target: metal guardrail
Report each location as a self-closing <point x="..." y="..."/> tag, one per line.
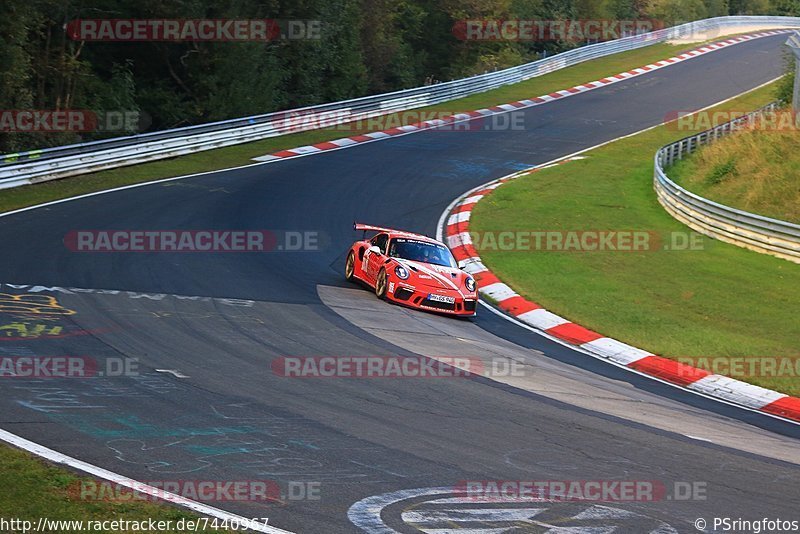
<point x="741" y="228"/>
<point x="59" y="162"/>
<point x="793" y="43"/>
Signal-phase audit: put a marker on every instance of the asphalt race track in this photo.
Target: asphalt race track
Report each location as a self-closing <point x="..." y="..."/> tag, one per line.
<point x="216" y="411"/>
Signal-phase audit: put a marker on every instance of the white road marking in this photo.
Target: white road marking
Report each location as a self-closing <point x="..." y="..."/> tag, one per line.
<point x="99" y="472"/>
<point x="604" y="512"/>
<point x="173" y="372"/>
<point x="475" y="514"/>
<point x="130" y="294"/>
<point x="698" y="438"/>
<point x="466" y="530"/>
<point x="367" y="515"/>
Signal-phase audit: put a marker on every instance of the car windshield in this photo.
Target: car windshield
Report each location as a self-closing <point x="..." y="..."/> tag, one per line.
<point x="411" y="249"/>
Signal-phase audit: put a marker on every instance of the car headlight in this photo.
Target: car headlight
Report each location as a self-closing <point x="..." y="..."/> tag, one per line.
<point x="470" y="283"/>
<point x="401" y="272"/>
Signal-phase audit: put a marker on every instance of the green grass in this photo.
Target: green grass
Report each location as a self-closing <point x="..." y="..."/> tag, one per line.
<point x="721" y="301"/>
<point x="34" y="489"/>
<point x="242" y="154"/>
<point x="755" y="170"/>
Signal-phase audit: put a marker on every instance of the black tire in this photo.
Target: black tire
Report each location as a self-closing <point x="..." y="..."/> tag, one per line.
<point x="350" y="267"/>
<point x="381" y="284"/>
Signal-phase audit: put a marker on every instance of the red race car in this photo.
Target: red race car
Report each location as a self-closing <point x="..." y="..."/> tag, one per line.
<point x="412" y="270"/>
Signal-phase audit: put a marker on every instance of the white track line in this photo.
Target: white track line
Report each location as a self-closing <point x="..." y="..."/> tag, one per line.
<point x="99" y="472"/>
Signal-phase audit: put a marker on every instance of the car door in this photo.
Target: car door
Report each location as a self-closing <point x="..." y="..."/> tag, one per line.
<point x="373" y="260"/>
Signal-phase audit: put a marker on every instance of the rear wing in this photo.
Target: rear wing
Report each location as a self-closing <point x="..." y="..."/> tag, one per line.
<point x="369" y="228"/>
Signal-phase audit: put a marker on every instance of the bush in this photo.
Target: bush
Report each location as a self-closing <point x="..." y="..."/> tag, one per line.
<point x="720" y="171"/>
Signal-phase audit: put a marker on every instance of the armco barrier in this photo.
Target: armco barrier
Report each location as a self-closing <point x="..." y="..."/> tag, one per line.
<point x="748" y="230"/>
<point x="59" y="162"/>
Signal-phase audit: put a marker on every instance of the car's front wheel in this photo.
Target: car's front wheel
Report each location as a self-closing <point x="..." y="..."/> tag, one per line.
<point x="350" y="267"/>
<point x="380" y="284"/>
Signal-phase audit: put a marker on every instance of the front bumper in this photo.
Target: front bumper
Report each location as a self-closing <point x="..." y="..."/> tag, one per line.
<point x="419" y="297"/>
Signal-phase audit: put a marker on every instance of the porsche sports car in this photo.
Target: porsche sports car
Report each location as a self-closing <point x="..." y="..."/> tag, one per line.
<point x="411" y="269"/>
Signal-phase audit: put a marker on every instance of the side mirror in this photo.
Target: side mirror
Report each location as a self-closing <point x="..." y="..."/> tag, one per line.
<point x="462" y="264"/>
<point x="374" y="249"/>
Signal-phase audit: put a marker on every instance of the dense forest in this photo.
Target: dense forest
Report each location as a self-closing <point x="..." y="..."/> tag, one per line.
<point x="363" y="47"/>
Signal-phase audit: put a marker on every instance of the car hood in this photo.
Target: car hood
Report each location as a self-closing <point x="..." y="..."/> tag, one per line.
<point x="434" y="276"/>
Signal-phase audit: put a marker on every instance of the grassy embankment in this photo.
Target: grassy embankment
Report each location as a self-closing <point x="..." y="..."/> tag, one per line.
<point x="718" y="302"/>
<point x="756" y="170"/>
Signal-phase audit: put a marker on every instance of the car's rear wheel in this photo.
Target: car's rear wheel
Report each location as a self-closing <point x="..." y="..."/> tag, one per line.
<point x="380" y="284"/>
<point x="350" y="267"/>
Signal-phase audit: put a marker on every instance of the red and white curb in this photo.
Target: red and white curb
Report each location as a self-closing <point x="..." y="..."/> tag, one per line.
<point x="348" y="142"/>
<point x="456" y="230"/>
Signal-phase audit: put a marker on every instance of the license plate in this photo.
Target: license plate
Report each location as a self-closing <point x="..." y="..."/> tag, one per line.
<point x="442" y="298"/>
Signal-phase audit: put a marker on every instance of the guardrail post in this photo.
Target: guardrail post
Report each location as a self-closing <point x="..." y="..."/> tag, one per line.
<point x="794" y="45"/>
